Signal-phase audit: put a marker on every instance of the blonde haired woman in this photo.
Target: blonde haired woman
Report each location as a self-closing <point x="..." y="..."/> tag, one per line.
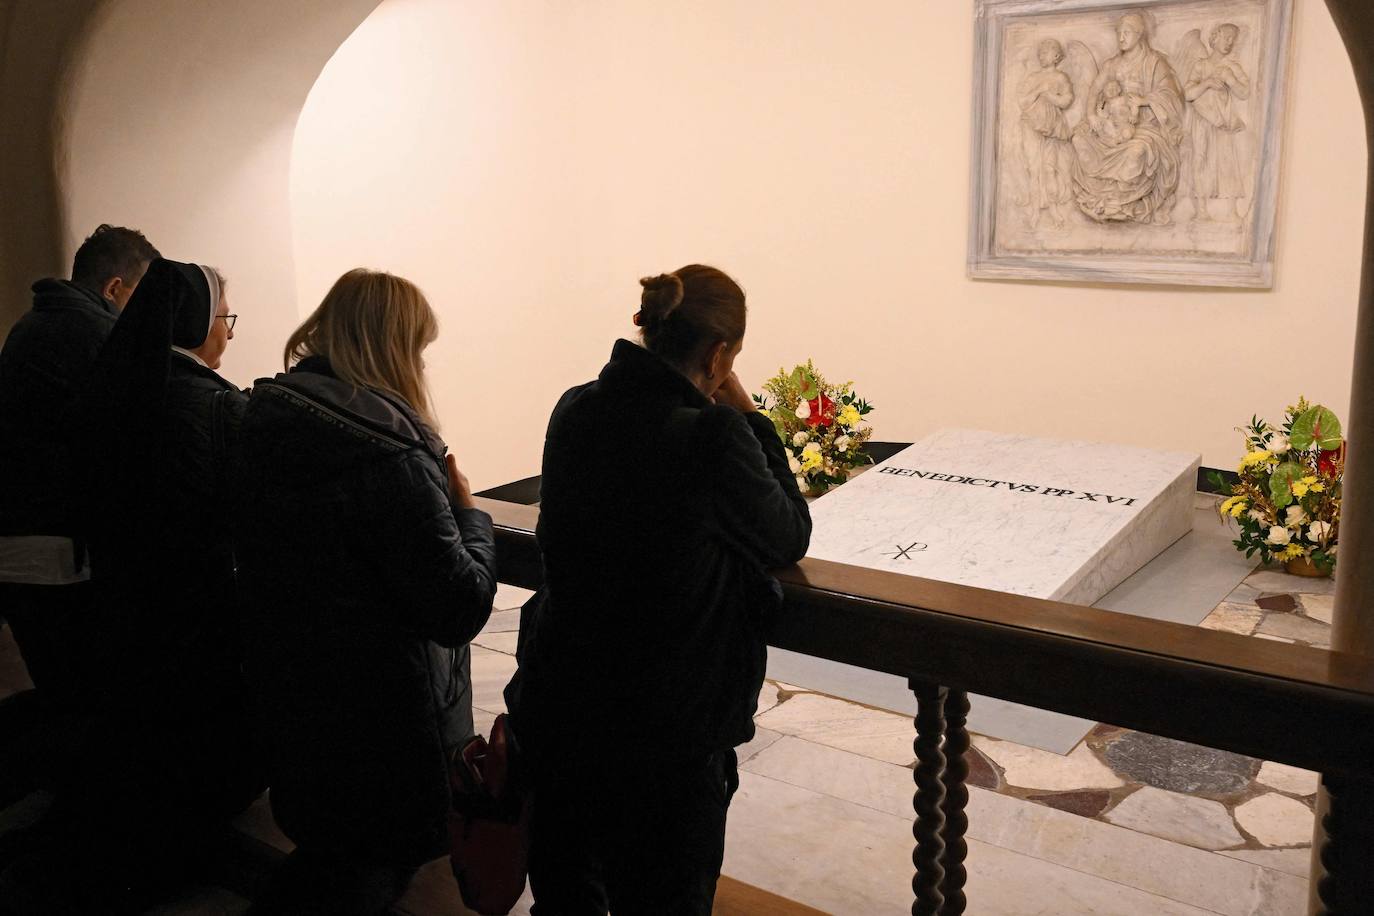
<point x="367" y="569"/>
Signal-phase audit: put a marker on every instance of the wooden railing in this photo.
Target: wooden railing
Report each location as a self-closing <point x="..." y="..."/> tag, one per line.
<point x="1307" y="707"/>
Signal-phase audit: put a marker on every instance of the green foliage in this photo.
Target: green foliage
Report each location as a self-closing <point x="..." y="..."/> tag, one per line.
<point x="1281" y="483"/>
<point x="1285" y="484"/>
<point x="1316" y="426"/>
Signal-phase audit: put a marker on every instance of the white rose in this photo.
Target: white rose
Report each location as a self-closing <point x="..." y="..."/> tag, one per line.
<point x="1256" y="514"/>
<point x="803" y="410"/>
<point x="803" y="485"/>
<point x="1318" y="531"/>
<point x="800" y="438"/>
<point x="793" y="465"/>
<point x="842" y="443"/>
<point x="1278" y="536"/>
<point x="1295" y="517"/>
<point x="812" y="447"/>
<point x="1278" y="445"/>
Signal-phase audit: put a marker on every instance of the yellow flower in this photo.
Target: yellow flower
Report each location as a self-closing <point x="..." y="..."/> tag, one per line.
<point x="849" y="416"/>
<point x="1233" y="506"/>
<point x="1300" y="488"/>
<point x="811" y="460"/>
<point x="1255" y="458"/>
<point x="1317" y="487"/>
<point x="1293" y="551"/>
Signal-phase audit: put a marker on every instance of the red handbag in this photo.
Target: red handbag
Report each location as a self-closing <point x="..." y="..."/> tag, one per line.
<point x="488" y="824"/>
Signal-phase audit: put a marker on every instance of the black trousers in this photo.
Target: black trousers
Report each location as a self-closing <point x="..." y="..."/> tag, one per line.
<point x="638" y="839"/>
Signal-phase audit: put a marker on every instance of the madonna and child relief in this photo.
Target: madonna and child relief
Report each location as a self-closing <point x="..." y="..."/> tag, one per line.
<point x="1132" y="134"/>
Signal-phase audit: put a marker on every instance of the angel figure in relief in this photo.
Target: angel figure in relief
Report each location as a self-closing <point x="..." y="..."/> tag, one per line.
<point x="1213" y="82"/>
<point x="1045" y="99"/>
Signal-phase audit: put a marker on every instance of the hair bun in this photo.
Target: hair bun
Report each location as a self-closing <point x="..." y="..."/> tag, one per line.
<point x="662" y="294"/>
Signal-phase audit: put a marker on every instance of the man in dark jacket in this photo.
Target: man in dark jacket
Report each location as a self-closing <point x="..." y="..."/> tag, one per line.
<point x="44" y="576"/>
<point x="46" y="359"/>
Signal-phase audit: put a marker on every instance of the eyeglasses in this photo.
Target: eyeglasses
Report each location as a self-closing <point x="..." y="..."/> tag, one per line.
<point x="229" y="320"/>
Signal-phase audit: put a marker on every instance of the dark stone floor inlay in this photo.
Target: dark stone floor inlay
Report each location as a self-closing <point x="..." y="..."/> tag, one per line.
<point x="981" y="772"/>
<point x="1277" y="602"/>
<point x="1088" y="803"/>
<point x="1178" y="766"/>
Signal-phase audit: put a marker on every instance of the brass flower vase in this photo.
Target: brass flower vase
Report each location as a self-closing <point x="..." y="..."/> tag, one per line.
<point x="1303" y="566"/>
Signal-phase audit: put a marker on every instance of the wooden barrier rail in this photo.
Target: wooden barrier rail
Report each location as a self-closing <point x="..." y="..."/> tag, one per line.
<point x="1307" y="707"/>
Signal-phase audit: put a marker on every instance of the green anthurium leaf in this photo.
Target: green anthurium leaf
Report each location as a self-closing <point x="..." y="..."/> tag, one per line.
<point x="1316" y="425"/>
<point x="1281" y="483"/>
<point x="809" y="392"/>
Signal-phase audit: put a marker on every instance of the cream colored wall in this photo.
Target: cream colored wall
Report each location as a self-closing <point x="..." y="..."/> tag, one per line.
<point x="526" y="162"/>
<point x="178" y="119"/>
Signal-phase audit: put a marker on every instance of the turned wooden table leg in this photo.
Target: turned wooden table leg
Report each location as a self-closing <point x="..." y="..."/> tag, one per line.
<point x="928" y="856"/>
<point x="1347" y="847"/>
<point x="956" y="800"/>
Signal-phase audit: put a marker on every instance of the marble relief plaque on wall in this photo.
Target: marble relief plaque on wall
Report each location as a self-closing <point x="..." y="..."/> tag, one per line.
<point x="1135" y="143"/>
<point x="1062" y="520"/>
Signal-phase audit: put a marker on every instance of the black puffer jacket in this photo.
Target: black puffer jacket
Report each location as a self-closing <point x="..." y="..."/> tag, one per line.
<point x="363" y="587"/>
<point x="46" y="360"/>
<point x="659" y="515"/>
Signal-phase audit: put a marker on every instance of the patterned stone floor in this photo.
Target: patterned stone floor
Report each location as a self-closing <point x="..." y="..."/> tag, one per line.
<point x="1126" y="823"/>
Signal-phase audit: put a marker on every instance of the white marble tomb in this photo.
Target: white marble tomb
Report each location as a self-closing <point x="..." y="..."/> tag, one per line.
<point x="1068" y="521"/>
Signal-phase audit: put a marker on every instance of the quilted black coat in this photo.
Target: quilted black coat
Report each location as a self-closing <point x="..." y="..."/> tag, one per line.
<point x="363" y="586"/>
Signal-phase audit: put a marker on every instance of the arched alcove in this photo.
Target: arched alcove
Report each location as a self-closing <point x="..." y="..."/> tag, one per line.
<point x="177" y="118"/>
<point x="525" y="163"/>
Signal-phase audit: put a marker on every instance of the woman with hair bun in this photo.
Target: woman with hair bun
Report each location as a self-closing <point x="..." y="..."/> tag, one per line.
<point x="665" y="499"/>
<point x="367" y="569"/>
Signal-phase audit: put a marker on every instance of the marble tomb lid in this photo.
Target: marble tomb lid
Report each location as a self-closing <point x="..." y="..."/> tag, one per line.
<point x="1065" y="520"/>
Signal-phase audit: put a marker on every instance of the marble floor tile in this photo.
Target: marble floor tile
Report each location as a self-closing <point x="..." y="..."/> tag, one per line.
<point x="1276" y="820"/>
<point x="1318" y="607"/>
<point x="1233" y="618"/>
<point x="846" y="859"/>
<point x="498" y="642"/>
<point x="763" y="739"/>
<point x="1147" y="863"/>
<point x="1197" y="822"/>
<point x="1032" y="768"/>
<point x="1178" y="766"/>
<point x="768" y="697"/>
<point x="1296" y="861"/>
<point x="835" y="723"/>
<point x="1295" y="627"/>
<point x="503" y="622"/>
<point x="1288" y="779"/>
<point x="257" y="822"/>
<point x="491" y="671"/>
<point x="510" y="596"/>
<point x="1276" y="581"/>
<point x="482" y="721"/>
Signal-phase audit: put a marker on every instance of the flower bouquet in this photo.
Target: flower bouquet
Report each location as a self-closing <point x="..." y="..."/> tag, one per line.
<point x="821" y="426"/>
<point x="1288" y="498"/>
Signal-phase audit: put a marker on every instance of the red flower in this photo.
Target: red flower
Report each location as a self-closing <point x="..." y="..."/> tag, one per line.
<point x="822" y="411"/>
<point x="1330" y="461"/>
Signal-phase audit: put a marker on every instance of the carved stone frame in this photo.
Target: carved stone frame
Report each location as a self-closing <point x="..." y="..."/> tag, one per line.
<point x="990" y="20"/>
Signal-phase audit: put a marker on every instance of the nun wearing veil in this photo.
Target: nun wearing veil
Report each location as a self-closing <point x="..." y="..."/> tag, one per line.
<point x="168" y="759"/>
